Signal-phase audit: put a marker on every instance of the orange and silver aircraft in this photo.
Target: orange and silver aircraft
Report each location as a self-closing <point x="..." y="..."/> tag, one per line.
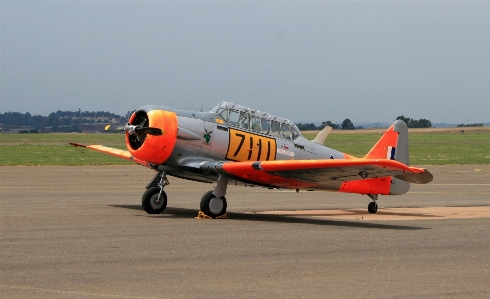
<point x="233" y="144"/>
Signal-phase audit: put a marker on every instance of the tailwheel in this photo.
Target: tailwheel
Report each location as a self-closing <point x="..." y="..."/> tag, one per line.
<point x="372" y="207"/>
<point x="213" y="206"/>
<point x="154" y="200"/>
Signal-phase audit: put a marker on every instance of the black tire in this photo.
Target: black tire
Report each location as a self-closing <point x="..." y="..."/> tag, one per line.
<point x="372" y="207"/>
<point x="213" y="206"/>
<point x="149" y="201"/>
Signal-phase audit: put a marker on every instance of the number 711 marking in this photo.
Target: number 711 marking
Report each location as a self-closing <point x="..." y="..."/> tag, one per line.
<point x="244" y="146"/>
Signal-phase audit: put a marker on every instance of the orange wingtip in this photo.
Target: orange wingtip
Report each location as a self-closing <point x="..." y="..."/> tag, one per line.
<point x="111" y="151"/>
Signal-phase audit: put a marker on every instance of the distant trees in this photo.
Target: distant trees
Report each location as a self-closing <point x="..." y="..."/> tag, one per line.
<point x="312" y="127"/>
<point x="348" y="125"/>
<point x="330" y="124"/>
<point x="307" y="127"/>
<point x="59" y="121"/>
<point x="414" y="123"/>
<point x="470" y="125"/>
<point x="28" y="132"/>
<point x="126" y="117"/>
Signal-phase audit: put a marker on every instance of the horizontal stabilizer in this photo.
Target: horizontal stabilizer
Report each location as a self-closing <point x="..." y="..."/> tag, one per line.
<point x="416" y="178"/>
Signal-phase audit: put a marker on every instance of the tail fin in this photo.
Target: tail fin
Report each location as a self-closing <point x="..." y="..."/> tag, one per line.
<point x="393" y="145"/>
<point x="320" y="138"/>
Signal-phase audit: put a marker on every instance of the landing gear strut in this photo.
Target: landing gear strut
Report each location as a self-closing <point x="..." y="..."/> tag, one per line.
<point x="373" y="206"/>
<point x="154" y="200"/>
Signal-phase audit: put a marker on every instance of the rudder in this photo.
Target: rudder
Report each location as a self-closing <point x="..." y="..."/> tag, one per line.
<point x="393" y="145"/>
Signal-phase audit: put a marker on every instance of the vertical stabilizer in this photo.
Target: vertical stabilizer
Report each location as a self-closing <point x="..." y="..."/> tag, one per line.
<point x="401" y="154"/>
<point x="393" y="145"/>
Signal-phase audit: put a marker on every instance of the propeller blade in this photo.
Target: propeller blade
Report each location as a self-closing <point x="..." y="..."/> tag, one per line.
<point x="150" y="131"/>
<point x="131" y="129"/>
<point x="113" y="129"/>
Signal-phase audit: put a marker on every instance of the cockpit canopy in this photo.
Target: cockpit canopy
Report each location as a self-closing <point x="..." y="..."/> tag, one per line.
<point x="258" y="121"/>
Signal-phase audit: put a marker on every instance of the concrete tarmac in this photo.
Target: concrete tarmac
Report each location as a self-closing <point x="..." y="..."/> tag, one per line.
<point x="80" y="232"/>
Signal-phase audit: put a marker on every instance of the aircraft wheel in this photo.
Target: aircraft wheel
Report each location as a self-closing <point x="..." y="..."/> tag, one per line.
<point x="213" y="206"/>
<point x="372" y="207"/>
<point x="150" y="201"/>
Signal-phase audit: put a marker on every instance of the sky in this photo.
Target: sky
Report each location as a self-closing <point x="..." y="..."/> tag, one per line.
<point x="308" y="61"/>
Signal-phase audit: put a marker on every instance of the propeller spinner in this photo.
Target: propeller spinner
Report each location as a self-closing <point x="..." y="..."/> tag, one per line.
<point x="151" y="134"/>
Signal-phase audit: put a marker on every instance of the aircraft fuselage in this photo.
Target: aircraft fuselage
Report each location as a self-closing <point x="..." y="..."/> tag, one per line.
<point x="209" y="137"/>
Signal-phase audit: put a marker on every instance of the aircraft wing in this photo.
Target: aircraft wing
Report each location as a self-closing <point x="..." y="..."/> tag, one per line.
<point x="123" y="154"/>
<point x="331" y="174"/>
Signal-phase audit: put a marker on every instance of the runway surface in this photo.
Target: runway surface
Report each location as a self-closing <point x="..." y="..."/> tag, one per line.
<point x="80" y="232"/>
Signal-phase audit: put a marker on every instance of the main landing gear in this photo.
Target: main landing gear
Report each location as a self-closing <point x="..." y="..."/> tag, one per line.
<point x="213" y="206"/>
<point x="213" y="203"/>
<point x="373" y="206"/>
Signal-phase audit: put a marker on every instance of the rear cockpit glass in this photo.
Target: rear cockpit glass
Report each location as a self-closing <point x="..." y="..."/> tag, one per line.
<point x="294" y="133"/>
<point x="275" y="128"/>
<point x="244" y="120"/>
<point x="266" y="125"/>
<point x="255" y="123"/>
<point x="285" y="132"/>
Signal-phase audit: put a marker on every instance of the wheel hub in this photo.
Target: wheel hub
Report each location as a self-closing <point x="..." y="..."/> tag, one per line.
<point x="215" y="205"/>
<point x="155" y="202"/>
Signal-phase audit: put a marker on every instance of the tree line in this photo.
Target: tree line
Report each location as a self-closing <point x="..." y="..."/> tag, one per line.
<point x="416" y="123"/>
<point x="470" y="125"/>
<point x="68" y="121"/>
<point x="348" y="125"/>
<point x="59" y="121"/>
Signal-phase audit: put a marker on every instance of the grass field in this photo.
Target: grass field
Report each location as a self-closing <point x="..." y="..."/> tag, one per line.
<point x="53" y="149"/>
<point x="427" y="147"/>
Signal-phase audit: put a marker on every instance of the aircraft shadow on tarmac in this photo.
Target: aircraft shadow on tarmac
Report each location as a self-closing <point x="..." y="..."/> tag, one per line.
<point x="192" y="213"/>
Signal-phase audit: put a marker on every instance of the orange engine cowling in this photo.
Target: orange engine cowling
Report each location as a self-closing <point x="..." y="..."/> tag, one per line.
<point x="151" y="148"/>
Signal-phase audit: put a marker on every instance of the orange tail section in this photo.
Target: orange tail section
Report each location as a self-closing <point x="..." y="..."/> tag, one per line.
<point x="393" y="145"/>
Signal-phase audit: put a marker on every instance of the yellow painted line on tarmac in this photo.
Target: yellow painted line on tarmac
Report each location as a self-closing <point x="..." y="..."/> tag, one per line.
<point x="426" y="213"/>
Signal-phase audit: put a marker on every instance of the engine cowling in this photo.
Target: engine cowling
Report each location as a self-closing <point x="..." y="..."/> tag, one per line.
<point x="151" y="148"/>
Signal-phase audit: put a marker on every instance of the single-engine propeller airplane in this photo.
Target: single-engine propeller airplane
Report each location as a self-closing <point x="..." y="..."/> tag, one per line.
<point x="233" y="144"/>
